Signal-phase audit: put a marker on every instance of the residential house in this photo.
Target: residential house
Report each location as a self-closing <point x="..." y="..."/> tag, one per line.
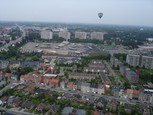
<point x="85" y="87"/>
<point x="71" y="86"/>
<point x="14" y="101"/>
<point x="14" y="77"/>
<point x="80" y="112"/>
<point x="52" y="109"/>
<point x="4" y="99"/>
<point x="14" y="64"/>
<point x="67" y="110"/>
<point x="96" y="61"/>
<point x="81" y="76"/>
<point x="127" y="107"/>
<point x="135" y="94"/>
<point x="100" y="102"/>
<point x="40" y="107"/>
<point x="40" y="80"/>
<point x="132" y="94"/>
<point x="27" y="104"/>
<point x="32" y="64"/>
<point x="29" y="89"/>
<point x="46" y="81"/>
<point x="93" y="88"/>
<point x="54" y="82"/>
<point x="113" y="104"/>
<point x="27" y="78"/>
<point x="115" y="91"/>
<point x="95" y="113"/>
<point x="94" y="69"/>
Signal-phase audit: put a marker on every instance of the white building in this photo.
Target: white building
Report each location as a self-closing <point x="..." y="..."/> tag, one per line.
<point x="139" y="60"/>
<point x="46" y="34"/>
<point x="64" y="34"/>
<point x="80" y="35"/>
<point x="97" y="35"/>
<point x="147" y="62"/>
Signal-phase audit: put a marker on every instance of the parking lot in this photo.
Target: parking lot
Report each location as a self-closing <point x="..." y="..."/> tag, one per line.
<point x="56" y="48"/>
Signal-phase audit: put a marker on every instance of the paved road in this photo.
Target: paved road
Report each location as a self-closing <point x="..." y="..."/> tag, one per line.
<point x="5" y="88"/>
<point x="112" y="73"/>
<point x="14" y="41"/>
<point x="16" y="112"/>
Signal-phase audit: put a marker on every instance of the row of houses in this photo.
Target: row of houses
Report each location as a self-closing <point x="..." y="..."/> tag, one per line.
<point x="14" y="64"/>
<point x="15" y="101"/>
<point x="53" y="82"/>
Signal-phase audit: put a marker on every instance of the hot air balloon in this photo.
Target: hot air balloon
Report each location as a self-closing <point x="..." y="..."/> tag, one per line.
<point x="100" y="15"/>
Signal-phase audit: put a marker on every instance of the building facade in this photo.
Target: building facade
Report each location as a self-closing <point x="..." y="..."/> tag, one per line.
<point x="138" y="60"/>
<point x="64" y="34"/>
<point x="97" y="35"/>
<point x="46" y="34"/>
<point x="80" y="35"/>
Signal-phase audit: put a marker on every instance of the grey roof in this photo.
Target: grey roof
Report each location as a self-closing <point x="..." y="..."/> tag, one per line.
<point x="85" y="84"/>
<point x="80" y="112"/>
<point x="67" y="110"/>
<point x="33" y="64"/>
<point x="27" y="104"/>
<point x="53" y="107"/>
<point x="94" y="85"/>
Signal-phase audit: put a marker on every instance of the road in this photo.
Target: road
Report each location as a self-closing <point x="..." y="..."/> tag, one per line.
<point x="18" y="40"/>
<point x="112" y="73"/>
<point x="85" y="94"/>
<point x="16" y="112"/>
<point x="5" y="88"/>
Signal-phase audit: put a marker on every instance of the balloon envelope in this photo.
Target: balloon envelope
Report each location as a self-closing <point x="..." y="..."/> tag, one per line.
<point x="100" y="15"/>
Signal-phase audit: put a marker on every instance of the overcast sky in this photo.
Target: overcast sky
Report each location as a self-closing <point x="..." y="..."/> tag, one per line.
<point x="123" y="12"/>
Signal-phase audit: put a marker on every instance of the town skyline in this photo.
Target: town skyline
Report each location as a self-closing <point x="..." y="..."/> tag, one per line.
<point x="116" y="13"/>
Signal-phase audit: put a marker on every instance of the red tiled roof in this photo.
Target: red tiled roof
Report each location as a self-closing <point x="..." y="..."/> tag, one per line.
<point x="54" y="81"/>
<point x="70" y="84"/>
<point x="28" y="77"/>
<point x="30" y="88"/>
<point x="136" y="92"/>
<point x="95" y="113"/>
<point x="46" y="80"/>
<point x="40" y="79"/>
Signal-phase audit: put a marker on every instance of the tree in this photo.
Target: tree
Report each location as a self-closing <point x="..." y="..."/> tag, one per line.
<point x="8" y="70"/>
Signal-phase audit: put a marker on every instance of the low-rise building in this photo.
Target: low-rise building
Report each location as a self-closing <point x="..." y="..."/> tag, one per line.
<point x="81" y="76"/>
<point x="85" y="87"/>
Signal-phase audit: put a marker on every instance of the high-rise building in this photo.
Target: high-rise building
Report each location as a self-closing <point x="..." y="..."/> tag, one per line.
<point x="147" y="62"/>
<point x="46" y="34"/>
<point x="140" y="60"/>
<point x="97" y="35"/>
<point x="64" y="34"/>
<point x="80" y="35"/>
<point x="133" y="60"/>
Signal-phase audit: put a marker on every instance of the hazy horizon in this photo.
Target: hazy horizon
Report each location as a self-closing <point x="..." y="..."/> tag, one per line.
<point x="116" y="12"/>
